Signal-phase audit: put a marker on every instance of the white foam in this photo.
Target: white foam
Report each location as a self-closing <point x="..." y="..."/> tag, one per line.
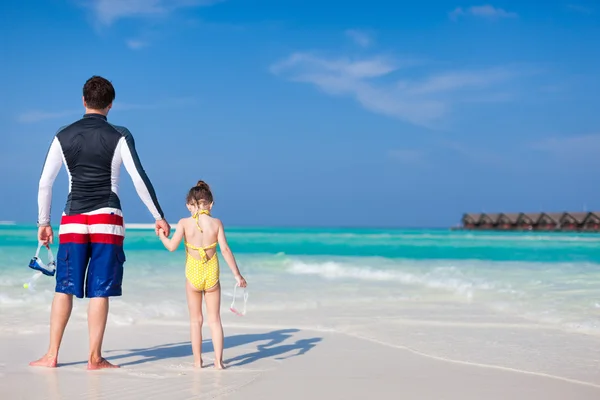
<point x="438" y="278"/>
<point x="139" y="226"/>
<point x="535" y="291"/>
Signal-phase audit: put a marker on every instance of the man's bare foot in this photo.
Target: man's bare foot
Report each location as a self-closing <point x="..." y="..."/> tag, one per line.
<point x="219" y="365"/>
<point x="48" y="361"/>
<point x="100" y="364"/>
<point x="198" y="364"/>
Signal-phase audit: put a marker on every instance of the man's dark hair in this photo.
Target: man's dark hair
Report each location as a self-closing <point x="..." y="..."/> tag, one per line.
<point x="98" y="93"/>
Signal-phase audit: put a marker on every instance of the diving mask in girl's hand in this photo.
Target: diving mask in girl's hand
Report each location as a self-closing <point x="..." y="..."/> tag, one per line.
<point x="235" y="310"/>
<point x="37" y="263"/>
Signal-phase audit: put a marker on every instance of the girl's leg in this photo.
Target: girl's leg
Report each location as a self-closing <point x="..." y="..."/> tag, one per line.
<point x="213" y="307"/>
<point x="194" y="300"/>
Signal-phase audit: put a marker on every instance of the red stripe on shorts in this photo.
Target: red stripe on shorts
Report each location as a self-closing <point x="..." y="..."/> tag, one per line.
<point x="74" y="238"/>
<point x="108" y="219"/>
<point x="106" y="238"/>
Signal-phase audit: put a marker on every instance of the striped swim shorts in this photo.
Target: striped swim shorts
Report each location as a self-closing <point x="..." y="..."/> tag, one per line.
<point x="90" y="254"/>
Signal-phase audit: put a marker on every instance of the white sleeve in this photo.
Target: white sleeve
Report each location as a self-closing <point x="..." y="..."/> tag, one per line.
<point x="140" y="180"/>
<point x="54" y="160"/>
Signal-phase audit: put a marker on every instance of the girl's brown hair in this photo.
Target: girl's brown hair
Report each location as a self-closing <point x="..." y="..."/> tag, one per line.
<point x="200" y="195"/>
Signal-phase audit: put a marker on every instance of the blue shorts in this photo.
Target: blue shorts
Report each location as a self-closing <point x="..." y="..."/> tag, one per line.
<point x="90" y="254"/>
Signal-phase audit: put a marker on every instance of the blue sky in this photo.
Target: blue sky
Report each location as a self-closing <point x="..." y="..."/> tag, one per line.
<point x="364" y="113"/>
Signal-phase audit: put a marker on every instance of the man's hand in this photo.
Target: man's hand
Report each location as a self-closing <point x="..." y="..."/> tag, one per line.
<point x="46" y="235"/>
<point x="164" y="225"/>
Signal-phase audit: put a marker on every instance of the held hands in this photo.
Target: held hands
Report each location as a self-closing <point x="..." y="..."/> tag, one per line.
<point x="241" y="282"/>
<point x="163" y="225"/>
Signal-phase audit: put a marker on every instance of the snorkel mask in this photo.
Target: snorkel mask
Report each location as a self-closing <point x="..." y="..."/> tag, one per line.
<point x="37" y="264"/>
<point x="235" y="310"/>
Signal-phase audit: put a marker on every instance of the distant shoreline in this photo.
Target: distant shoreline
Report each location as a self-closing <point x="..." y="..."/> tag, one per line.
<point x="139" y="226"/>
<point x="146" y="226"/>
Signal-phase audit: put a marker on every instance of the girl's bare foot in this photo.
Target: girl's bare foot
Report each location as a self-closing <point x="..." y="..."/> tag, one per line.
<point x="219" y="365"/>
<point x="100" y="363"/>
<point x="48" y="361"/>
<point x="198" y="364"/>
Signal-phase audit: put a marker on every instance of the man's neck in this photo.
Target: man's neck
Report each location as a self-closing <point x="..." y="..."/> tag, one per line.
<point x="94" y="111"/>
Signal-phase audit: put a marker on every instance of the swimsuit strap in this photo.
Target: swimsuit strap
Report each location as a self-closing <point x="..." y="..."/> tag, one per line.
<point x="196" y="216"/>
<point x="212" y="246"/>
<point x="202" y="250"/>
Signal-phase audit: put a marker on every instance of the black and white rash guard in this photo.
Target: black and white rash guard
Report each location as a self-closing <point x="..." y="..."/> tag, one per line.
<point x="92" y="151"/>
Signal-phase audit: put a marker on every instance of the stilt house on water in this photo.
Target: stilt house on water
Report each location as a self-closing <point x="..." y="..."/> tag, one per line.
<point x="549" y="222"/>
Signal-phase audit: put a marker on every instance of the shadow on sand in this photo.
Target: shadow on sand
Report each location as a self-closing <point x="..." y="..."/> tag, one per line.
<point x="272" y="348"/>
<point x="264" y="351"/>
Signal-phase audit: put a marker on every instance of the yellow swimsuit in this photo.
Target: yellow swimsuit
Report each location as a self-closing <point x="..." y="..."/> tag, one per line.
<point x="203" y="273"/>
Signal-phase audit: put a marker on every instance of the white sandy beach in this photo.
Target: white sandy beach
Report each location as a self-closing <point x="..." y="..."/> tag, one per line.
<point x="320" y="355"/>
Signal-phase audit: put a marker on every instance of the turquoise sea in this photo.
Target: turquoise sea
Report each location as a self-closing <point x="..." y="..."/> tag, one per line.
<point x="547" y="278"/>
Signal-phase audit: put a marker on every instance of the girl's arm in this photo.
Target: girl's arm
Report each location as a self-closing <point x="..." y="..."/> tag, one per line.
<point x="173" y="243"/>
<point x="228" y="256"/>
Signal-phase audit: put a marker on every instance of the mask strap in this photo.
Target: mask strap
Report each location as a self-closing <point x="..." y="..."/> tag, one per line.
<point x="50" y="254"/>
<point x="37" y="253"/>
<point x="232" y="308"/>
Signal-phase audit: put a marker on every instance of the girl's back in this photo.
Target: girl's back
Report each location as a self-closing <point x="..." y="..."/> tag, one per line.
<point x="201" y="231"/>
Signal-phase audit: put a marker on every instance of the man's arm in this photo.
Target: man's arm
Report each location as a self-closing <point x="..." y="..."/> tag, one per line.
<point x="54" y="161"/>
<point x="142" y="183"/>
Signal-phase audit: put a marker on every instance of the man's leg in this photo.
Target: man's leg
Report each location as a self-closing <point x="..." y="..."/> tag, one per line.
<point x="97" y="316"/>
<point x="104" y="280"/>
<point x="71" y="263"/>
<point x="105" y="275"/>
<point x="59" y="317"/>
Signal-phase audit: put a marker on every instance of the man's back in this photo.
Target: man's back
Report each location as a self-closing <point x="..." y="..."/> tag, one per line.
<point x="93" y="150"/>
<point x="89" y="146"/>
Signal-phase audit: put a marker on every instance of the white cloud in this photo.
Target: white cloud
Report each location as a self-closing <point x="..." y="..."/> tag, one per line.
<point x="136" y="44"/>
<point x="361" y="38"/>
<point x="371" y="82"/>
<point x="459" y="80"/>
<point x="484" y="11"/>
<point x="345" y="77"/>
<point x="109" y="11"/>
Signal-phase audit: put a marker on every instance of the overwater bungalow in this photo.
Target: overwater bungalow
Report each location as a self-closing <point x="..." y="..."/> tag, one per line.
<point x="508" y="221"/>
<point x="572" y="221"/>
<point x="564" y="221"/>
<point x="471" y="221"/>
<point x="548" y="222"/>
<point x="526" y="222"/>
<point x="488" y="221"/>
<point x="592" y="222"/>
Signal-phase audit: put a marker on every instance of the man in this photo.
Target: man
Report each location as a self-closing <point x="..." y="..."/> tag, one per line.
<point x="90" y="254"/>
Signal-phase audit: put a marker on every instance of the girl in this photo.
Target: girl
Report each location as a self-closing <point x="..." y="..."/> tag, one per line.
<point x="201" y="234"/>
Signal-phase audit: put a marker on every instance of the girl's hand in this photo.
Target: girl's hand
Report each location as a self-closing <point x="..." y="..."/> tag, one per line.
<point x="241" y="282"/>
<point x="161" y="232"/>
